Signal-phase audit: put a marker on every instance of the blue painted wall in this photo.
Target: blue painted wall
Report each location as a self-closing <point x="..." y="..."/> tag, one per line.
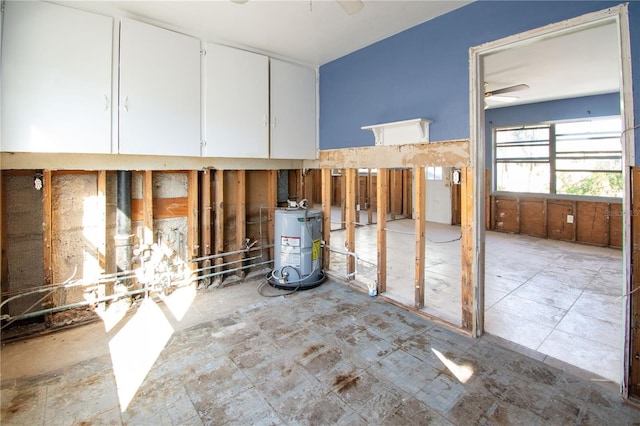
<point x="566" y="109"/>
<point x="424" y="71"/>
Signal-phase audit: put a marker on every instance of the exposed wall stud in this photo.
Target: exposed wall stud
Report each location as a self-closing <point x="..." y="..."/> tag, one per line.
<point x="272" y="188"/>
<point x="147" y="207"/>
<point x="241" y="216"/>
<point x="467" y="247"/>
<point x="193" y="239"/>
<point x="326" y="216"/>
<point x="219" y="220"/>
<point x="382" y="200"/>
<point x="420" y="227"/>
<point x="350" y="242"/>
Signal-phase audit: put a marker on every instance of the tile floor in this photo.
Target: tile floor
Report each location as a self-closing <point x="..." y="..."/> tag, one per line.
<point x="559" y="299"/>
<point x="327" y="356"/>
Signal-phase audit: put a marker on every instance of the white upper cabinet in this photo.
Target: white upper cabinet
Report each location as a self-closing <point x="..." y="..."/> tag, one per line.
<point x="237" y="103"/>
<point x="293" y="111"/>
<point x="56" y="79"/>
<point x="159" y="91"/>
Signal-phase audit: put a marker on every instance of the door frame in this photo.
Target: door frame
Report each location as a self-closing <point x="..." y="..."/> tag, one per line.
<point x="620" y="16"/>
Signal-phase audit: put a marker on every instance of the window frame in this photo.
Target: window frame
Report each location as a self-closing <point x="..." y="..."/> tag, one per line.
<point x="552" y="159"/>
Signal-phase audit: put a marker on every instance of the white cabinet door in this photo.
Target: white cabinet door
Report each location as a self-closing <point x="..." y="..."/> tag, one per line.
<point x="159" y="91"/>
<point x="237" y="103"/>
<point x="293" y="111"/>
<point x="56" y="79"/>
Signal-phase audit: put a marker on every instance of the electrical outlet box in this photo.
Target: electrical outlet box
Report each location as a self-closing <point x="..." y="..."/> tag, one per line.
<point x="569" y="218"/>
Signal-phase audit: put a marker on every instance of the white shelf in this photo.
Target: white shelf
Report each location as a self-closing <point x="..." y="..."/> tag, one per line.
<point x="401" y="132"/>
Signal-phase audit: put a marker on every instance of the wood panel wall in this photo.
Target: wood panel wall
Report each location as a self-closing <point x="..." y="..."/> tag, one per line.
<point x="597" y="223"/>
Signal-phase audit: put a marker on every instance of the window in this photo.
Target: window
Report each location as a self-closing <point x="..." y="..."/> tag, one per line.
<point x="576" y="158"/>
<point x="434" y="173"/>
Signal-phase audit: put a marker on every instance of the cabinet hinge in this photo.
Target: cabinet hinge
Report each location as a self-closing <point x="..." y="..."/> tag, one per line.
<point x="203" y="143"/>
<point x="203" y="52"/>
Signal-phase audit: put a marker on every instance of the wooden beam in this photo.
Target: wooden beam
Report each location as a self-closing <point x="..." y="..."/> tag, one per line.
<point x="443" y="154"/>
<point x="326" y="216"/>
<point x="351" y="180"/>
<point x="420" y="226"/>
<point x="4" y="262"/>
<point x="382" y="204"/>
<point x="343" y="199"/>
<point x="47" y="231"/>
<point x="487" y="196"/>
<point x="406" y="192"/>
<point x="205" y="217"/>
<point x="241" y="216"/>
<point x="193" y="238"/>
<point x="219" y="220"/>
<point x="369" y="197"/>
<point x="272" y="203"/>
<point x="467" y="247"/>
<point x="162" y="208"/>
<point x="102" y="218"/>
<point x="632" y="334"/>
<point x="147" y="207"/>
<point x="299" y="185"/>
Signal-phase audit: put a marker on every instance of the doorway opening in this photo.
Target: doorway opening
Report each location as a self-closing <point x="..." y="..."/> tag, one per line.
<point x="548" y="307"/>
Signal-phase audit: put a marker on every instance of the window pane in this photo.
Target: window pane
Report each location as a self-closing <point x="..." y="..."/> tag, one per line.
<point x="581" y="144"/>
<point x="510" y="152"/>
<point x="526" y="134"/>
<point x="523" y="177"/>
<point x="437" y="174"/>
<point x="611" y="125"/>
<point x="599" y="184"/>
<point x="586" y="163"/>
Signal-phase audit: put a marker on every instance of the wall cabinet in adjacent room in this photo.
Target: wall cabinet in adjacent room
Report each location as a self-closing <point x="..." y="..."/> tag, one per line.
<point x="237" y="103"/>
<point x="293" y="111"/>
<point x="159" y="91"/>
<point x="56" y="79"/>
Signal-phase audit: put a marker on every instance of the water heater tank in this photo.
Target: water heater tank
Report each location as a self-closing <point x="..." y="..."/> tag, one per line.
<point x="297" y="254"/>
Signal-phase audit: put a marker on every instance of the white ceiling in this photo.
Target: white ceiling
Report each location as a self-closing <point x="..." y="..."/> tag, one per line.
<point x="313" y="32"/>
<point x="579" y="63"/>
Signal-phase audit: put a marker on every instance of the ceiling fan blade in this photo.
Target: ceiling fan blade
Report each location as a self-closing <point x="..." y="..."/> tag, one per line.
<point x="508" y="89"/>
<point x="351" y="7"/>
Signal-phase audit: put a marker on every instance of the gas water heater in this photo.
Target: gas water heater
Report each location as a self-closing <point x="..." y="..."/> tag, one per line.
<point x="297" y="254"/>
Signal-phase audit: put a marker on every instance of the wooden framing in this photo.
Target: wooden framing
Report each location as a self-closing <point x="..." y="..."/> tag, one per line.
<point x="369" y="197"/>
<point x="633" y="302"/>
<point x="205" y="216"/>
<point x="594" y="222"/>
<point x="382" y="205"/>
<point x="467" y="247"/>
<point x="102" y="219"/>
<point x="272" y="196"/>
<point x="4" y="262"/>
<point x="219" y="220"/>
<point x="147" y="207"/>
<point x="47" y="195"/>
<point x="343" y="199"/>
<point x="193" y="239"/>
<point x="420" y="226"/>
<point x="351" y="176"/>
<point x="241" y="216"/>
<point x="326" y="217"/>
<point x="446" y="154"/>
<point x="406" y="192"/>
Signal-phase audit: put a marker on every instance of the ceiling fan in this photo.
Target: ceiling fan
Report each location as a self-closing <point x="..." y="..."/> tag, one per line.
<point x="508" y="89"/>
<point x="500" y="96"/>
<point x="350" y="7"/>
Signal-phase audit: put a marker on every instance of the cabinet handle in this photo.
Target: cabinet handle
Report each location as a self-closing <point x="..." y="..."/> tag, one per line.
<point x="106" y="103"/>
<point x="125" y="104"/>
